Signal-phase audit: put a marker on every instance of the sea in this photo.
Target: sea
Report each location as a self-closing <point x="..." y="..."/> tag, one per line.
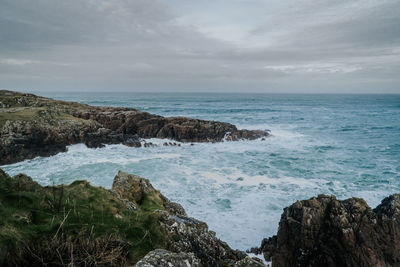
<point x="343" y="145"/>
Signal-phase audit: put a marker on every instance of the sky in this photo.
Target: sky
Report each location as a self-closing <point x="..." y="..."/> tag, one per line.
<point x="272" y="46"/>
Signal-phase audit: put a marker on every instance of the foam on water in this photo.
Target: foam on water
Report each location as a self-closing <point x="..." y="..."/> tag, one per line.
<point x="342" y="145"/>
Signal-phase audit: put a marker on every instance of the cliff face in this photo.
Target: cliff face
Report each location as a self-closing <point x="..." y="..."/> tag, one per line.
<point x="83" y="225"/>
<point x="36" y="126"/>
<point x="324" y="231"/>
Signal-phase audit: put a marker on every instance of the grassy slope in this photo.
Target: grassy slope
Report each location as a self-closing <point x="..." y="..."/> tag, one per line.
<point x="31" y="214"/>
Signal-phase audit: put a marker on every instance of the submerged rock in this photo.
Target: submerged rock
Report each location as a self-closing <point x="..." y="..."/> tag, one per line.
<point x="324" y="231"/>
<point x="33" y="126"/>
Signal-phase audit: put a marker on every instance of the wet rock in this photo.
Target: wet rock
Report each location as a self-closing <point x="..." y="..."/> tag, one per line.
<point x="149" y="144"/>
<point x="133" y="142"/>
<point x="324" y="231"/>
<point x="164" y="258"/>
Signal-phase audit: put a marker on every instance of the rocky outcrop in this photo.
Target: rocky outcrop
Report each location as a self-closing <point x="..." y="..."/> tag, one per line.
<point x="324" y="231"/>
<point x="36" y="126"/>
<point x="189" y="235"/>
<point x="165" y="258"/>
<point x="130" y="187"/>
<point x="249" y="262"/>
<point x="83" y="225"/>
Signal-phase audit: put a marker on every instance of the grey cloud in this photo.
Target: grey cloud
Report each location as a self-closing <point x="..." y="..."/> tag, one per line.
<point x="146" y="45"/>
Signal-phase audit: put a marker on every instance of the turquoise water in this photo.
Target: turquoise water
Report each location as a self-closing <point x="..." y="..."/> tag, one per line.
<point x="347" y="145"/>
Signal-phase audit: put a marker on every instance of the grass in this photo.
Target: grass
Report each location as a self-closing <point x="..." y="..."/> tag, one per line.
<point x="38" y="114"/>
<point x="76" y="214"/>
<point x="25" y="114"/>
<point x="26" y="107"/>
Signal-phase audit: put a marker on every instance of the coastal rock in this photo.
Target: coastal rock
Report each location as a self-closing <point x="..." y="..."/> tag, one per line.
<point x="33" y="126"/>
<point x="165" y="258"/>
<point x="134" y="188"/>
<point x="324" y="231"/>
<point x="249" y="262"/>
<point x="80" y="224"/>
<point x="193" y="236"/>
<point x="189" y="235"/>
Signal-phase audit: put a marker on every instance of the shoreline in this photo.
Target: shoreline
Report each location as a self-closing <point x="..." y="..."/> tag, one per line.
<point x="32" y="126"/>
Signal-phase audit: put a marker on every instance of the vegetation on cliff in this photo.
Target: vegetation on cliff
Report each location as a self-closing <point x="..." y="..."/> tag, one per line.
<point x="76" y="223"/>
<point x="83" y="225"/>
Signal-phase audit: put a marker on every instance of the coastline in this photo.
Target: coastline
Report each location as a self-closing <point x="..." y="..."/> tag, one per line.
<point x="367" y="218"/>
<point x="37" y="126"/>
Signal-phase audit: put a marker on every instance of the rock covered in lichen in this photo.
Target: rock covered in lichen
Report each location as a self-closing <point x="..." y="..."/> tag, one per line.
<point x="132" y="187"/>
<point x="192" y="235"/>
<point x="165" y="258"/>
<point x="135" y="189"/>
<point x="249" y="262"/>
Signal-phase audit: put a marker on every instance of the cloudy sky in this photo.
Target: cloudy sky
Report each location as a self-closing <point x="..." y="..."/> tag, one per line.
<point x="201" y="45"/>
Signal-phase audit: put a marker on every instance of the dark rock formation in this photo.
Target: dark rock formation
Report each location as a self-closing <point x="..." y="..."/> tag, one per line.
<point x="36" y="126"/>
<point x="324" y="231"/>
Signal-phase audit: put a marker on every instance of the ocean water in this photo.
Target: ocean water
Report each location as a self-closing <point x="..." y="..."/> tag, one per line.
<point x="346" y="145"/>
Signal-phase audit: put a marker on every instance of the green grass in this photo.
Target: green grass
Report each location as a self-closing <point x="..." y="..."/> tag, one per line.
<point x="38" y="114"/>
<point x="26" y="114"/>
<point x="29" y="212"/>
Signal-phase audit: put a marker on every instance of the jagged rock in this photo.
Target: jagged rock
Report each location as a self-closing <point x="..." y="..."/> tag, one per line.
<point x="132" y="188"/>
<point x="324" y="231"/>
<point x="165" y="258"/>
<point x="249" y="262"/>
<point x="33" y="126"/>
<point x="191" y="235"/>
<point x="128" y="204"/>
<point x="173" y="207"/>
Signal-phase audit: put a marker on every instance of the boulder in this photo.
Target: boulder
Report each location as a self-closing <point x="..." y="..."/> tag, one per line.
<point x="131" y="187"/>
